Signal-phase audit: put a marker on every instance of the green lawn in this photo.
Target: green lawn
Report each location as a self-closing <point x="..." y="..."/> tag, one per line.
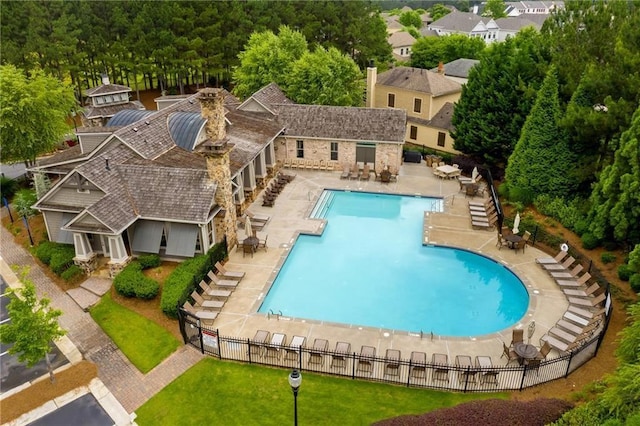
<point x="228" y="393"/>
<point x="144" y="342"/>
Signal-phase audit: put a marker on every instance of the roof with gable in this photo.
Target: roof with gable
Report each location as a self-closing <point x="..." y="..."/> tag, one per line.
<point x="268" y="97"/>
<point x="516" y="23"/>
<point x="458" y="21"/>
<point x="343" y="123"/>
<point x="401" y="39"/>
<point x="110" y="110"/>
<point x="418" y="80"/>
<point x="107" y="89"/>
<point x="458" y="68"/>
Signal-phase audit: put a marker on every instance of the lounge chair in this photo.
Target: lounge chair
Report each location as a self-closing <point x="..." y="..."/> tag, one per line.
<point x="418" y="367"/>
<point x="564" y="266"/>
<point x="573" y="282"/>
<point x="487" y="375"/>
<point x="573" y="272"/>
<point x="582" y="293"/>
<point x="591" y="302"/>
<point x="221" y="283"/>
<point x="392" y="362"/>
<point x="257" y="217"/>
<point x="227" y="274"/>
<point x="259" y="341"/>
<point x="206" y="317"/>
<point x="340" y="355"/>
<point x="277" y="342"/>
<point x="366" y="172"/>
<point x="466" y="374"/>
<point x="354" y="173"/>
<point x="345" y="172"/>
<point x="365" y="359"/>
<point x="208" y="292"/>
<point x="509" y="353"/>
<point x="551" y="260"/>
<point x="292" y="352"/>
<point x="317" y="352"/>
<point x="441" y="370"/>
<point x="209" y="305"/>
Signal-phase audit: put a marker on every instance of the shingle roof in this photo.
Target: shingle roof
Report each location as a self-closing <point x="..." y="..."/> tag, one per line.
<point x="128" y="116"/>
<point x="401" y="39"/>
<point x="346" y="123"/>
<point x="458" y="68"/>
<point x="458" y="21"/>
<point x="271" y="95"/>
<point x="442" y="119"/>
<point x="110" y="110"/>
<point x="106" y="89"/>
<point x="516" y="23"/>
<point x="418" y="80"/>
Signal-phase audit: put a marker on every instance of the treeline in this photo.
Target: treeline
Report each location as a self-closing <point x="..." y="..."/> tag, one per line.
<point x="169" y="44"/>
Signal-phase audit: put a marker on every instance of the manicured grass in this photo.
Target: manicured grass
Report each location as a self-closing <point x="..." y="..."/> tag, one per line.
<point x="228" y="393"/>
<point x="144" y="342"/>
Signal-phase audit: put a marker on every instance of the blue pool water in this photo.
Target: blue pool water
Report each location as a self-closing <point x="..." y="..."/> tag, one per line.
<point x="369" y="268"/>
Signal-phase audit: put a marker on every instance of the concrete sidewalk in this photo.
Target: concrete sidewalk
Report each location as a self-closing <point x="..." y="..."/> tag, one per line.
<point x="130" y="387"/>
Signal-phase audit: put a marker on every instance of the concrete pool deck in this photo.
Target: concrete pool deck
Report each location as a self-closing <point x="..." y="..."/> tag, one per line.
<point x="239" y="317"/>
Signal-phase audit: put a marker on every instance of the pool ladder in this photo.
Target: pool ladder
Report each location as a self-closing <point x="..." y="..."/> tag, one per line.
<point x="422" y="335"/>
<point x="274" y="314"/>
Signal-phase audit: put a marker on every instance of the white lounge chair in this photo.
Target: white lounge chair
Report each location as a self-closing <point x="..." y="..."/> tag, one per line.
<point x="221" y="283"/>
<point x="551" y="260"/>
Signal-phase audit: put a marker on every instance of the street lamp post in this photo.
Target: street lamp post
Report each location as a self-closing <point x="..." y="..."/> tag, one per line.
<point x="295" y="379"/>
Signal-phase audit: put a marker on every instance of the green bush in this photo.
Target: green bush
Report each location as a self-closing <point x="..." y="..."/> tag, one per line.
<point x="607" y="257"/>
<point x="45" y="250"/>
<point x="182" y="282"/>
<point x="71" y="273"/>
<point x="62" y="258"/>
<point x="131" y="282"/>
<point x="149" y="261"/>
<point x="146" y="288"/>
<point x="634" y="282"/>
<point x="624" y="272"/>
<point x="8" y="187"/>
<point x="589" y="241"/>
<point x="581" y="226"/>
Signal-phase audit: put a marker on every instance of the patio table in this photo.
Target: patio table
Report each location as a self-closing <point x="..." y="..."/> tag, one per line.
<point x="525" y="351"/>
<point x="448" y="170"/>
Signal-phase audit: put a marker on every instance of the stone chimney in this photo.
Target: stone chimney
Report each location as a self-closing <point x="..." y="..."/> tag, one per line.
<point x="105" y="79"/>
<point x="440" y="68"/>
<point x="216" y="150"/>
<point x="372" y="78"/>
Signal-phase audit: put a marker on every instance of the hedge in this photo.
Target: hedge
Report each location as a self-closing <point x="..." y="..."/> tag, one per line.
<point x="62" y="258"/>
<point x="131" y="282"/>
<point x="71" y="273"/>
<point x="45" y="250"/>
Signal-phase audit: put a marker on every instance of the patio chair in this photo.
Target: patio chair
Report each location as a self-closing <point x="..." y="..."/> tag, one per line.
<point x="573" y="282"/>
<point x="257" y="217"/>
<point x="573" y="272"/>
<point x="517" y="336"/>
<point x="509" y="353"/>
<point x="418" y="367"/>
<point x="366" y="172"/>
<point x="466" y="374"/>
<point x="533" y="365"/>
<point x="556" y="259"/>
<point x="224" y="273"/>
<point x="316" y="354"/>
<point x="292" y="352"/>
<point x="544" y="351"/>
<point x="257" y="344"/>
<point x="354" y="173"/>
<point x="441" y="369"/>
<point x="209" y="305"/>
<point x="582" y="293"/>
<point x="345" y="172"/>
<point x="207" y="317"/>
<point x="520" y="245"/>
<point x="221" y="283"/>
<point x="486" y="374"/>
<point x="316" y="165"/>
<point x="340" y="355"/>
<point x="262" y="243"/>
<point x="365" y="359"/>
<point x="564" y="266"/>
<point x="501" y="242"/>
<point x="287" y="163"/>
<point x="277" y="342"/>
<point x="392" y="362"/>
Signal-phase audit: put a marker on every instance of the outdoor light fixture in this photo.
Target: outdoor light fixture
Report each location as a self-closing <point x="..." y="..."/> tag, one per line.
<point x="295" y="379"/>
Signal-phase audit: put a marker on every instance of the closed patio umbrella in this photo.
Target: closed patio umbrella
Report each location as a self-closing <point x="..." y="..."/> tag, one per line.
<point x="474" y="174"/>
<point x="516" y="223"/>
<point x="247" y="227"/>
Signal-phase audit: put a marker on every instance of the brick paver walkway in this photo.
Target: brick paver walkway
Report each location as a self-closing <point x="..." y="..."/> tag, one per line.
<point x="130" y="387"/>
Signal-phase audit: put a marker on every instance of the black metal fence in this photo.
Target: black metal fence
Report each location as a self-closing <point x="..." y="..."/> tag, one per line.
<point x="380" y="368"/>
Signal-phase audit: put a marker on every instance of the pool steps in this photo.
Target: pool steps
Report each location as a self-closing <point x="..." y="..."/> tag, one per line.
<point x="322" y="206"/>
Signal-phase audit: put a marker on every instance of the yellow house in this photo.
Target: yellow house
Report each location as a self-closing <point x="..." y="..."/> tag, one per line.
<point x="427" y="97"/>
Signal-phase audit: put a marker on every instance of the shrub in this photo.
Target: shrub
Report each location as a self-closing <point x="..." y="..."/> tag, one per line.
<point x="149" y="261"/>
<point x="466" y="163"/>
<point x="589" y="241"/>
<point x="581" y="226"/>
<point x="607" y="257"/>
<point x="624" y="272"/>
<point x="181" y="283"/>
<point x="8" y="187"/>
<point x="45" y="250"/>
<point x="634" y="282"/>
<point x="146" y="288"/>
<point x="62" y="258"/>
<point x="124" y="282"/>
<point x="71" y="273"/>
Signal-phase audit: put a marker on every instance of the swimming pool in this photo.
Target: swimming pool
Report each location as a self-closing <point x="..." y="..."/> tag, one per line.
<point x="369" y="268"/>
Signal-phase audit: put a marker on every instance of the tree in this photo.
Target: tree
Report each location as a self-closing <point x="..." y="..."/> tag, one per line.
<point x="325" y="77"/>
<point x="495" y="9"/>
<point x="438" y="10"/>
<point x="427" y="52"/>
<point x="410" y="18"/>
<point x="33" y="113"/>
<point x="497" y="98"/>
<point x="267" y="58"/>
<point x="615" y="200"/>
<point x="34" y="325"/>
<point x="539" y="161"/>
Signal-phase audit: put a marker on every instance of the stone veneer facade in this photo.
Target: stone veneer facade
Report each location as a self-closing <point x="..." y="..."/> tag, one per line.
<point x="387" y="154"/>
<point x="216" y="150"/>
